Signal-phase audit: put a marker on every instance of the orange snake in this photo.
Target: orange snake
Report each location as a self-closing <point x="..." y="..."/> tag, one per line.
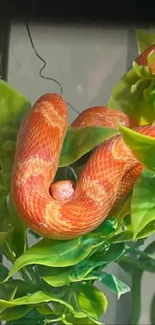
<point x="107" y="177"/>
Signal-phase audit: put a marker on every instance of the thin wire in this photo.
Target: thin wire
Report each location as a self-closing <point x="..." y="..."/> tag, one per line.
<point x="44" y="65"/>
<point x="44" y="62"/>
<point x="74" y="109"/>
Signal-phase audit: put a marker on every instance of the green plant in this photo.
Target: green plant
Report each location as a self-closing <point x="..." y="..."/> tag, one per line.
<point x="55" y="280"/>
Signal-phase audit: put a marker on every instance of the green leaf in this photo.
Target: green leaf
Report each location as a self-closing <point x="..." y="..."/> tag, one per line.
<point x="91" y="300"/>
<point x="147" y="231"/>
<point x="80" y="140"/>
<point x="15" y="220"/>
<point x="44" y="310"/>
<point x="144" y="39"/>
<point x="106" y="228"/>
<point x="143" y="202"/>
<point x="17" y="241"/>
<point x="132" y="95"/>
<point x="86" y="321"/>
<point x="124" y="236"/>
<point x="124" y="231"/>
<point x="4" y="213"/>
<point x="7" y="151"/>
<point x="55" y="253"/>
<point x="14" y="313"/>
<point x="7" y="292"/>
<point x="13" y="105"/>
<point x="124" y="210"/>
<point x="7" y="133"/>
<point x="3" y="272"/>
<point x="57" y="277"/>
<point x="3" y="238"/>
<point x="114" y="284"/>
<point x="98" y="259"/>
<point x="3" y="187"/>
<point x="6" y="161"/>
<point x="142" y="146"/>
<point x="38" y="298"/>
<point x="33" y="317"/>
<point x="115" y="251"/>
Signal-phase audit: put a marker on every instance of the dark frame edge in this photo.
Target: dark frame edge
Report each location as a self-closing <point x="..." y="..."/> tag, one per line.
<point x="5" y="29"/>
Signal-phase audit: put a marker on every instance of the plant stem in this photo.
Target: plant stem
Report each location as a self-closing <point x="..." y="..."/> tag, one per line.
<point x="136" y="296"/>
<point x="136" y="286"/>
<point x="12" y="259"/>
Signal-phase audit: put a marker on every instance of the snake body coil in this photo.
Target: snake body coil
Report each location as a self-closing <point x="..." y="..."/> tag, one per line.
<point x="107" y="176"/>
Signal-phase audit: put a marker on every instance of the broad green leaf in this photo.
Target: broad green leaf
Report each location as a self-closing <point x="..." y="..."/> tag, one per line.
<point x="124" y="231"/>
<point x="133" y="95"/>
<point x="114" y="284"/>
<point x="7" y="292"/>
<point x="124" y="210"/>
<point x="14" y="313"/>
<point x="98" y="259"/>
<point x="86" y="321"/>
<point x="44" y="310"/>
<point x="55" y="253"/>
<point x="115" y="251"/>
<point x="143" y="202"/>
<point x="80" y="140"/>
<point x="142" y="146"/>
<point x="91" y="300"/>
<point x="82" y="270"/>
<point x="58" y="277"/>
<point x="144" y="39"/>
<point x="33" y="317"/>
<point x="38" y="298"/>
<point x="147" y="231"/>
<point x="106" y="228"/>
<point x="124" y="236"/>
<point x="13" y="106"/>
<point x="17" y="241"/>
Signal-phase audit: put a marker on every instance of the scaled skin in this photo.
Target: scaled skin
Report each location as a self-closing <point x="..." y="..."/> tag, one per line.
<point x="99" y="186"/>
